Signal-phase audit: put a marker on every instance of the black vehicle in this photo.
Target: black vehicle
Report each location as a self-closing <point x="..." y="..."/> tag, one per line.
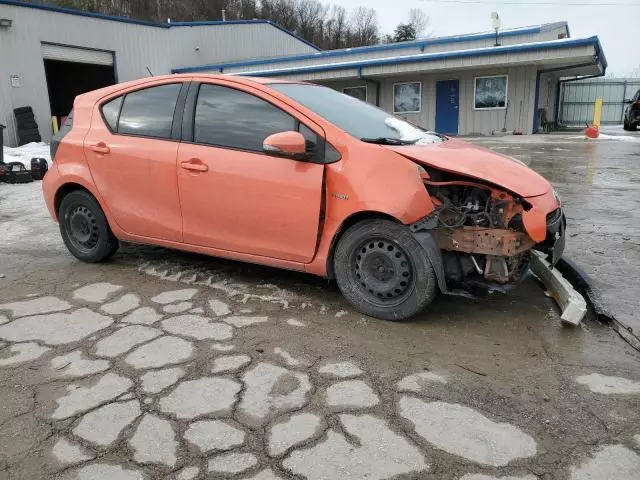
<point x="632" y="113"/>
<point x="39" y="168"/>
<point x="15" y="172"/>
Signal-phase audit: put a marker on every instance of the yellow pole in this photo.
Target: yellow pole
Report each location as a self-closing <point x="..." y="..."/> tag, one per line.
<point x="597" y="112"/>
<point x="54" y="124"/>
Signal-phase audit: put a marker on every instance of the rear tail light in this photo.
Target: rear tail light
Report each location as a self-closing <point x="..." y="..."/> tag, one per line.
<point x="637" y="104"/>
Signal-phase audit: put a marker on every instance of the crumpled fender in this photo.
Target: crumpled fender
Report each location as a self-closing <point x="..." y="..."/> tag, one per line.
<point x="434" y="255"/>
<point x="535" y="219"/>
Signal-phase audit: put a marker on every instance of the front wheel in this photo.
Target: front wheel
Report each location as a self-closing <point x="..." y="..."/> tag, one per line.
<point x="383" y="271"/>
<point x="85" y="229"/>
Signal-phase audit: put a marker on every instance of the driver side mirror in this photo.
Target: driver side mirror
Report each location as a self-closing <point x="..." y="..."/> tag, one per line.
<point x="287" y="144"/>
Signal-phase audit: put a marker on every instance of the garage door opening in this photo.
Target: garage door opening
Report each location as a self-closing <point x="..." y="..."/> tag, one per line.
<point x="71" y="71"/>
<point x="66" y="80"/>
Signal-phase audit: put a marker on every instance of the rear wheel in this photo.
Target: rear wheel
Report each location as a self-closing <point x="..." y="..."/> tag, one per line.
<point x="383" y="271"/>
<point x="84" y="228"/>
<point x="625" y="124"/>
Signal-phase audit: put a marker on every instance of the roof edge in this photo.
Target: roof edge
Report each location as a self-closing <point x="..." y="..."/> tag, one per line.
<point x="421" y="44"/>
<point x="427" y="57"/>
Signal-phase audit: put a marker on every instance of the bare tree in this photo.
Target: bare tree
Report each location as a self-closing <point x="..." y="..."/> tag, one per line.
<point x="419" y="20"/>
<point x="325" y="25"/>
<point x="336" y="28"/>
<point x="364" y="26"/>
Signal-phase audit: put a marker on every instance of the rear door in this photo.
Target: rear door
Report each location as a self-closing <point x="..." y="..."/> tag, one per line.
<point x="236" y="197"/>
<point x="131" y="149"/>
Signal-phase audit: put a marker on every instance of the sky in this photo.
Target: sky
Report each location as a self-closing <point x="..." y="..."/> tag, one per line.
<point x="615" y="22"/>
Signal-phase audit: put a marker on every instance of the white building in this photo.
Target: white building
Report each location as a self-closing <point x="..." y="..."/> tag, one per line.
<point x="465" y="84"/>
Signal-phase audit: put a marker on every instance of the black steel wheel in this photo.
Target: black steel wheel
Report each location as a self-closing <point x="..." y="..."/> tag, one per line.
<point x="383" y="271"/>
<point x="84" y="228"/>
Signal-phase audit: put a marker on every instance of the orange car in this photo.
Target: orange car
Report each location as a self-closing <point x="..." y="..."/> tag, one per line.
<point x="301" y="177"/>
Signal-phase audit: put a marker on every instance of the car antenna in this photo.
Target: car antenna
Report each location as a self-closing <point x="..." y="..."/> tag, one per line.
<point x="149" y="70"/>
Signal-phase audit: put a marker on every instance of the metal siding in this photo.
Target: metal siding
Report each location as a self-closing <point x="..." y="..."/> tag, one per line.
<point x="521" y="97"/>
<point x="135" y="46"/>
<point x="350" y="56"/>
<point x="430" y="45"/>
<point x="578" y="100"/>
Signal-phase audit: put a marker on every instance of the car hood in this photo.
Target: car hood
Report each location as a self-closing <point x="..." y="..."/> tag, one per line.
<point x="457" y="156"/>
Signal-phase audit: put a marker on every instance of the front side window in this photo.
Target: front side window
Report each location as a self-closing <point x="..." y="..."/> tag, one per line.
<point x="356" y="92"/>
<point x="230" y="118"/>
<point x="149" y="112"/>
<point x="358" y="119"/>
<point x="490" y="92"/>
<point x="407" y="97"/>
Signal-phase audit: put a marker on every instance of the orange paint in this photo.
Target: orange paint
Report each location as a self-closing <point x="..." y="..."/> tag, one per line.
<point x="262" y="207"/>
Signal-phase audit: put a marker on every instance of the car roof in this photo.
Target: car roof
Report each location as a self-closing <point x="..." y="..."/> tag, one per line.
<point x="182" y="77"/>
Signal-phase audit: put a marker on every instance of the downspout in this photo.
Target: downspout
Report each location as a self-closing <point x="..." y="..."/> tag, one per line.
<point x="373" y="81"/>
<point x="536" y="102"/>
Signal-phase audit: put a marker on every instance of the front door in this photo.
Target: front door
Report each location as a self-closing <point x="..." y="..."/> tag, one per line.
<point x="447" y="106"/>
<point x="132" y="158"/>
<point x="236" y="197"/>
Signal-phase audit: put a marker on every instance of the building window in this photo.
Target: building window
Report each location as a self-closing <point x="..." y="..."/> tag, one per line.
<point x="490" y="92"/>
<point x="356" y="92"/>
<point x="407" y="97"/>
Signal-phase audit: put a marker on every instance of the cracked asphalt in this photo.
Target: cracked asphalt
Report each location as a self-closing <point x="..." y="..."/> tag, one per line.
<point x="161" y="364"/>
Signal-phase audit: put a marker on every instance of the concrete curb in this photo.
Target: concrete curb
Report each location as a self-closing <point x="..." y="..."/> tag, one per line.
<point x="572" y="303"/>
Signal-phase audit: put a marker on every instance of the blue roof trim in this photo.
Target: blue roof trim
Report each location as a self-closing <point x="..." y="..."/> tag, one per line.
<point x="113" y="18"/>
<point x="419" y="44"/>
<point x="428" y="57"/>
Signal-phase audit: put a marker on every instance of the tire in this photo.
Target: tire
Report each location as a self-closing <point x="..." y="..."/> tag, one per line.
<point x="24" y="117"/>
<point x="27" y="125"/>
<point x="22" y="110"/>
<point x="28" y="132"/>
<point x="84" y="228"/>
<point x="383" y="271"/>
<point x="625" y="124"/>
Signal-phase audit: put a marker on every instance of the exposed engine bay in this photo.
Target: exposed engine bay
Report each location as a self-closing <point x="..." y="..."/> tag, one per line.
<point x="478" y="229"/>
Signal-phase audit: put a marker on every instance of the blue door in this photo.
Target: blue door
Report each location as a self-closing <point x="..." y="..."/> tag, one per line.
<point x="447" y="105"/>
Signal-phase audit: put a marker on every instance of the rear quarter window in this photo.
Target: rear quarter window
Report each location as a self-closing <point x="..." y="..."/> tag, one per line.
<point x="111" y="112"/>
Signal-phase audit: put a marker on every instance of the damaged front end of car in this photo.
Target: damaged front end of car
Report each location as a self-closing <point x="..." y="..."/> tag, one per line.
<point x="485" y="233"/>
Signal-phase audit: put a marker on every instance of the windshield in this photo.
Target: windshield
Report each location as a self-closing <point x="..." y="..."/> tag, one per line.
<point x="355" y="117"/>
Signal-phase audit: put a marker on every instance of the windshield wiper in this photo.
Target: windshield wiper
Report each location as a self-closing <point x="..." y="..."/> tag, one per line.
<point x="387" y="141"/>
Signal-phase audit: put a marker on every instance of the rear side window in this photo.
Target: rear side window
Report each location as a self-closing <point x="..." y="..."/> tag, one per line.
<point x="111" y="111"/>
<point x="147" y="112"/>
<point x="231" y="118"/>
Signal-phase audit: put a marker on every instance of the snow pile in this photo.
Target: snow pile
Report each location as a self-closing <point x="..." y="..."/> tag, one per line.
<point x="623" y="138"/>
<point x="25" y="153"/>
<point x="26" y="224"/>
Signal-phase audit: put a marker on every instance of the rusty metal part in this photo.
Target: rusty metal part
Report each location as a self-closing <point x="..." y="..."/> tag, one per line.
<point x="482" y="240"/>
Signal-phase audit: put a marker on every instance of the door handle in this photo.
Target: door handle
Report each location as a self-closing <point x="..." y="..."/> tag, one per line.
<point x="100" y="147"/>
<point x="194" y="165"/>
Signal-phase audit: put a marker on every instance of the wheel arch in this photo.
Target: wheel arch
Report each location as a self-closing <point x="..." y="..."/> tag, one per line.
<point x="344" y="226"/>
<point x="65" y="190"/>
<point x="425" y="239"/>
